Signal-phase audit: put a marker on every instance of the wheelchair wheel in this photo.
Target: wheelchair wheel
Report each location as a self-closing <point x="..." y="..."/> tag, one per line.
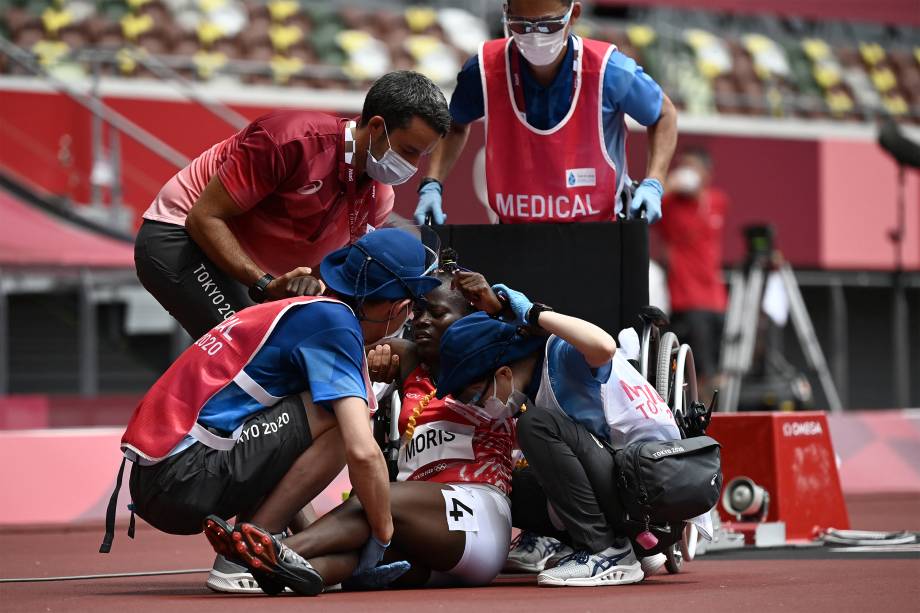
<point x="675" y="559"/>
<point x="648" y="351"/>
<point x="684" y="389"/>
<point x="666" y="363"/>
<point x="689" y="541"/>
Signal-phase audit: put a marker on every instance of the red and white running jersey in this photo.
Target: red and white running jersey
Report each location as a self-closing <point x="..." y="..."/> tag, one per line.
<point x="452" y="443"/>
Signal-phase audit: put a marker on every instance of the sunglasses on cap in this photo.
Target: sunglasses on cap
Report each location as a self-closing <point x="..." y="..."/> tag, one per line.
<point x="518" y="25"/>
<point x="362" y="276"/>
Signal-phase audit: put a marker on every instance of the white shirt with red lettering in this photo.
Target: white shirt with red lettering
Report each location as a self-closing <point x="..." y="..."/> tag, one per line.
<point x="613" y="402"/>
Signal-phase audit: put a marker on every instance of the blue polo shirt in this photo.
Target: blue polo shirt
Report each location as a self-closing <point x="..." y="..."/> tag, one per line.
<point x="577" y="386"/>
<point x="317" y="348"/>
<point x="627" y="90"/>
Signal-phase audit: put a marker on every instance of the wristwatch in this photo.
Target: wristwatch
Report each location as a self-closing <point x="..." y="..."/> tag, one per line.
<point x="257" y="289"/>
<point x="428" y="180"/>
<point x="533" y="315"/>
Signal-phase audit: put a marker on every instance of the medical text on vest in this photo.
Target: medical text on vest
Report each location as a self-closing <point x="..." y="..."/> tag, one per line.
<point x="540" y="206"/>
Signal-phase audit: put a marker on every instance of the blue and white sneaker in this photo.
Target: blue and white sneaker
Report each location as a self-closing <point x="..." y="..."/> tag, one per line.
<point x="563" y="552"/>
<point x="529" y="553"/>
<point x="612" y="566"/>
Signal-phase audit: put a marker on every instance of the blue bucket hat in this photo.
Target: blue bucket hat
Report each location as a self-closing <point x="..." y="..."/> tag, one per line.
<point x="387" y="264"/>
<point x="475" y="346"/>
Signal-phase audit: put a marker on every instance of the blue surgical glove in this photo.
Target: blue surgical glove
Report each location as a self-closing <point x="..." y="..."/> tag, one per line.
<point x="648" y="194"/>
<point x="519" y="303"/>
<point x="429" y="201"/>
<point x="377" y="578"/>
<point x="371" y="554"/>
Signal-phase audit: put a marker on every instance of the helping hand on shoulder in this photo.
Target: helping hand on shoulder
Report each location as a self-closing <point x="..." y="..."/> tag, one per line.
<point x="298" y="282"/>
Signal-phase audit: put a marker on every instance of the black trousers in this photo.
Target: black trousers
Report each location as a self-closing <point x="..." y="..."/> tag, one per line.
<point x="569" y="468"/>
<point x="176" y="494"/>
<point x="181" y="277"/>
<point x="703" y="331"/>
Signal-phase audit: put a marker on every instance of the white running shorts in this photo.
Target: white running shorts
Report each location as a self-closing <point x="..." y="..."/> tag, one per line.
<point x="484" y="513"/>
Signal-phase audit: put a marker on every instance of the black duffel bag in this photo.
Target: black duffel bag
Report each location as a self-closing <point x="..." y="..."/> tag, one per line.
<point x="665" y="482"/>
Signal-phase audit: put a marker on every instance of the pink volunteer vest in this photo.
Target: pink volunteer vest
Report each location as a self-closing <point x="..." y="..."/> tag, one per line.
<point x="563" y="174"/>
<point x="169" y="411"/>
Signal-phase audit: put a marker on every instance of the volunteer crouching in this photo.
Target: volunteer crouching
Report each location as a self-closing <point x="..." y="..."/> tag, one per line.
<point x="258" y="416"/>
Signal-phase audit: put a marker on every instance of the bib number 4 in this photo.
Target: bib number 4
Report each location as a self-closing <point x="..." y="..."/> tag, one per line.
<point x="459" y="508"/>
<point x="458" y="512"/>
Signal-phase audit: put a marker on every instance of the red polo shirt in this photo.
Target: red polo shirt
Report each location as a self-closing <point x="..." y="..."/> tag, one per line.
<point x="288" y="173"/>
<point x="692" y="230"/>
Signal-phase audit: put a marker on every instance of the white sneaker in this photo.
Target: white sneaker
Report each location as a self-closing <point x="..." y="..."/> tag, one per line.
<point x="529" y="553"/>
<point x="229" y="577"/>
<point x="653" y="565"/>
<point x="612" y="566"/>
<point x="564" y="551"/>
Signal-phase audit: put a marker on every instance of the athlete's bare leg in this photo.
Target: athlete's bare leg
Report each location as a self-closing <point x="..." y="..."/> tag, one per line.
<point x="421" y="533"/>
<point x="303" y="519"/>
<point x="308" y="476"/>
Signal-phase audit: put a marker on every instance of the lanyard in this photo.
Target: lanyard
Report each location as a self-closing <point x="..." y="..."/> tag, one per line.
<point x="517" y="85"/>
<point x="357" y="223"/>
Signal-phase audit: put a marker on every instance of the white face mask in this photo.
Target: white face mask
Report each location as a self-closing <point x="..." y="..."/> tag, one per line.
<point x="686" y="181"/>
<point x="502" y="410"/>
<point x="540" y="49"/>
<point x="391" y="168"/>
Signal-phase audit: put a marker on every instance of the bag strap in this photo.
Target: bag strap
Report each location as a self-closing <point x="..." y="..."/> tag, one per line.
<point x="106" y="546"/>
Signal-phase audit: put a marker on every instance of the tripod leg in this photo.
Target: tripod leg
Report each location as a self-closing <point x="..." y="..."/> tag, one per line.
<point x="741" y="331"/>
<point x="749" y="326"/>
<point x="732" y="324"/>
<point x="805" y="332"/>
<point x="731" y="337"/>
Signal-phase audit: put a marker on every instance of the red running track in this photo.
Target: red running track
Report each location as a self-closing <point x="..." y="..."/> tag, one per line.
<point x="708" y="584"/>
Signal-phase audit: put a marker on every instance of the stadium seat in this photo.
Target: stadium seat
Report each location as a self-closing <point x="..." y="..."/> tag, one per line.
<point x="707" y="61"/>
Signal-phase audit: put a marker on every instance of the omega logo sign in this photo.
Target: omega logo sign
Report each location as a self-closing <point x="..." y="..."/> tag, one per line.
<point x="802" y="428"/>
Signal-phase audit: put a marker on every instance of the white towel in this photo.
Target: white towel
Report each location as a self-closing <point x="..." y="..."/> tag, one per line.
<point x="703" y="523"/>
<point x="628" y="341"/>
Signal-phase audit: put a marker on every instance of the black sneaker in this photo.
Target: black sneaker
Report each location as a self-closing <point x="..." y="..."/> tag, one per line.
<point x="219" y="534"/>
<point x="265" y="554"/>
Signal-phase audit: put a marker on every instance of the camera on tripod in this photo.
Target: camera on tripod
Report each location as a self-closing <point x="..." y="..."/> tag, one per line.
<point x="756" y="373"/>
<point x="759" y="240"/>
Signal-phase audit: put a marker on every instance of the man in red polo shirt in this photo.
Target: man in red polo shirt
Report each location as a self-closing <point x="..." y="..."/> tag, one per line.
<point x="249" y="218"/>
<point x="692" y="232"/>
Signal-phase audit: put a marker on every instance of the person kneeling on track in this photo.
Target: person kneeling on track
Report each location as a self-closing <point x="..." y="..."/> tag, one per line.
<point x="587" y="393"/>
<point x="416" y="364"/>
<point x="257" y="417"/>
<point x="450" y="508"/>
